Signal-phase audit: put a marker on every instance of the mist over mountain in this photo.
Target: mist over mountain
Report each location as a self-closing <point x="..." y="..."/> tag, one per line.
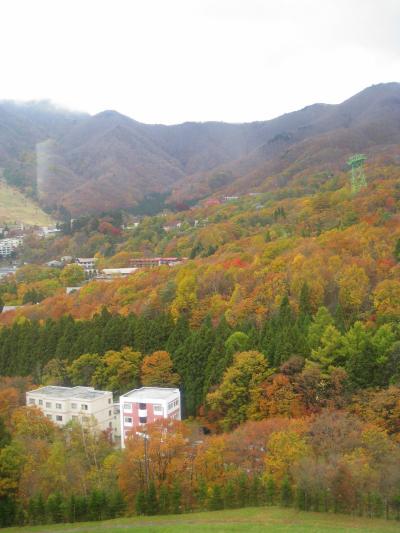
<point x="107" y="161"/>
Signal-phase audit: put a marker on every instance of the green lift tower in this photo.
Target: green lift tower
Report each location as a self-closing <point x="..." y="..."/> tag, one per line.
<point x="358" y="179"/>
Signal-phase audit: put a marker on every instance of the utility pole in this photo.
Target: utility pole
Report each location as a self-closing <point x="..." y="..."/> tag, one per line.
<point x="146" y="461"/>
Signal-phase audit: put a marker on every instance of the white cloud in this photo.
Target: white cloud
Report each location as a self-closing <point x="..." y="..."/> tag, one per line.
<point x="174" y="60"/>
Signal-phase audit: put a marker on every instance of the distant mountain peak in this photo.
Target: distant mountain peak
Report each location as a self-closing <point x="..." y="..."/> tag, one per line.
<point x="110" y="161"/>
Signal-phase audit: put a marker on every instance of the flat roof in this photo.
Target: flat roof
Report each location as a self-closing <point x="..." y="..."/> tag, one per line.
<point x="153" y="393"/>
<point x="66" y="393"/>
<point x="127" y="270"/>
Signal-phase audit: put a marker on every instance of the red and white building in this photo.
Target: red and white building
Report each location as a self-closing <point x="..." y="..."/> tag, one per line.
<point x="146" y="405"/>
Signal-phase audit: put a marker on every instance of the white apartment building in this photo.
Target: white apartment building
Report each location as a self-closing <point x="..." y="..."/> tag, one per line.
<point x="146" y="405"/>
<point x="49" y="231"/>
<point x="82" y="404"/>
<point x="88" y="264"/>
<point x="7" y="246"/>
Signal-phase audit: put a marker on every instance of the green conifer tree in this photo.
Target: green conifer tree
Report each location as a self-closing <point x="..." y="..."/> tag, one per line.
<point x="255" y="492"/>
<point x="71" y="509"/>
<point x="8" y="511"/>
<point x="216" y="363"/>
<point x="270" y="491"/>
<point x="5" y="436"/>
<point x="201" y="494"/>
<point x="196" y="353"/>
<point x="116" y="504"/>
<point x="242" y="493"/>
<point x="301" y="499"/>
<point x="216" y="502"/>
<point x="176" y="499"/>
<point x="286" y="493"/>
<point x="151" y="500"/>
<point x="55" y="508"/>
<point x="229" y="495"/>
<point x="140" y="503"/>
<point x="397" y="251"/>
<point x="81" y="508"/>
<point x="163" y="498"/>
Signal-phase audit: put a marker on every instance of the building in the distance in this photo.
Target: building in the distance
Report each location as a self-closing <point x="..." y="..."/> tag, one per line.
<point x="147" y="405"/>
<point x="49" y="231"/>
<point x="114" y="273"/>
<point x="82" y="404"/>
<point x="148" y="262"/>
<point x="8" y="246"/>
<point x="88" y="264"/>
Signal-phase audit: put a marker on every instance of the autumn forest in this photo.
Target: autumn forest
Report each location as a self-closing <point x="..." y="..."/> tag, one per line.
<point x="280" y="326"/>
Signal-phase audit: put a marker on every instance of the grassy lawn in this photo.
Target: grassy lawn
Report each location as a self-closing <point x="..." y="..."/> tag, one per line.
<point x="249" y="520"/>
<point x="15" y="207"/>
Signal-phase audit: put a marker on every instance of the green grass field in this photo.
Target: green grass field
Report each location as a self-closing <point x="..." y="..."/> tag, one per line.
<point x="249" y="520"/>
<point x="15" y="207"/>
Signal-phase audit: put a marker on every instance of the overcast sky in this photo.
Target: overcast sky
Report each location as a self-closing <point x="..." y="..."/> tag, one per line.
<point x="170" y="61"/>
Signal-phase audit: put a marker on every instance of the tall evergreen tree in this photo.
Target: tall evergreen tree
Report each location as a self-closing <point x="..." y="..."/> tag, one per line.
<point x="229" y="495"/>
<point x="216" y="363"/>
<point x="55" y="507"/>
<point x="117" y="504"/>
<point x="286" y="493"/>
<point x="151" y="500"/>
<point x="242" y="491"/>
<point x="397" y="251"/>
<point x="8" y="510"/>
<point x="216" y="502"/>
<point x="164" y="499"/>
<point x="270" y="491"/>
<point x="178" y="337"/>
<point x="255" y="496"/>
<point x="140" y="503"/>
<point x="193" y="362"/>
<point x="176" y="498"/>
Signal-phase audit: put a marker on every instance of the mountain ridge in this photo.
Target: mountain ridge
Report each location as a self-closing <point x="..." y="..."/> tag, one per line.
<point x="108" y="160"/>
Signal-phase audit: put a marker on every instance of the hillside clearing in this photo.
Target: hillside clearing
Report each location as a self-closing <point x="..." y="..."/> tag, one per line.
<point x="15" y="207"/>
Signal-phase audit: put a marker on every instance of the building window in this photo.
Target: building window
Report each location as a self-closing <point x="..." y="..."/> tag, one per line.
<point x="142" y="406"/>
<point x="40" y="402"/>
<point x="31" y="401"/>
<point x="109" y="413"/>
<point x="58" y="406"/>
<point x="157" y="408"/>
<point x="110" y="424"/>
<point x="173" y="404"/>
<point x="84" y="407"/>
<point x="109" y="400"/>
<point x="143" y="419"/>
<point x="74" y="406"/>
<point x="127" y="407"/>
<point x="75" y="417"/>
<point x="49" y="417"/>
<point x="128" y="420"/>
<point x="48" y="405"/>
<point x="59" y="418"/>
<point x="85" y="419"/>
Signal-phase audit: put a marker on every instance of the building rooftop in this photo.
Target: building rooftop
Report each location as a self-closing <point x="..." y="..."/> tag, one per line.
<point x="82" y="393"/>
<point x="128" y="270"/>
<point x="150" y="393"/>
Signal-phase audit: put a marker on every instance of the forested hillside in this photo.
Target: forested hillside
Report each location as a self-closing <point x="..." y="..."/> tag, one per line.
<point x="245" y="255"/>
<point x="280" y="327"/>
<point x="83" y="164"/>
